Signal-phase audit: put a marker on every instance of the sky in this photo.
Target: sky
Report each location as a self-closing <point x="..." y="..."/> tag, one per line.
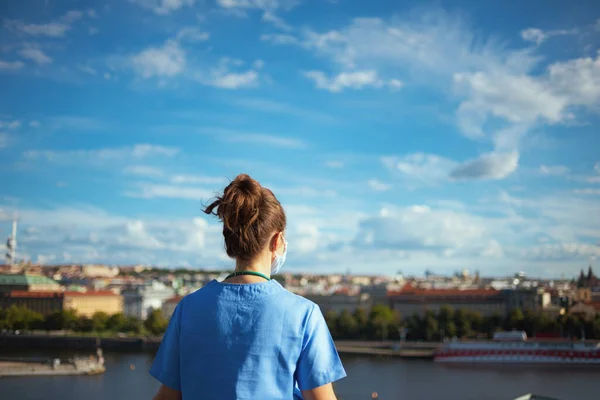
<point x="399" y="136"/>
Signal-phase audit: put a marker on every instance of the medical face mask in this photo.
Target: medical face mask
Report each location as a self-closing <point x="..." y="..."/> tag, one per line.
<point x="279" y="259"/>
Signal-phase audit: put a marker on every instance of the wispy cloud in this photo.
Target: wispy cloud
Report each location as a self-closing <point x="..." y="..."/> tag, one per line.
<point x="538" y="36"/>
<point x="488" y="166"/>
<point x="350" y="80"/>
<point x="57" y="28"/>
<point x="150" y="191"/>
<point x="378" y="186"/>
<point x="225" y="77"/>
<point x="280" y="107"/>
<point x="166" y="61"/>
<point x="35" y="55"/>
<point x="163" y="7"/>
<point x="554" y="169"/>
<point x="235" y="136"/>
<point x="138" y="151"/>
<point x="11" y="65"/>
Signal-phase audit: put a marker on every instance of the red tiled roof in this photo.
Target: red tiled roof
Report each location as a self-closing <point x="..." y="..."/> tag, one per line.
<point x="411" y="291"/>
<point x="94" y="293"/>
<point x="24" y="294"/>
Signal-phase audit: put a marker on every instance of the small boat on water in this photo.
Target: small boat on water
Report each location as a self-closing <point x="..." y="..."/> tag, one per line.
<point x="514" y="347"/>
<point x="14" y="366"/>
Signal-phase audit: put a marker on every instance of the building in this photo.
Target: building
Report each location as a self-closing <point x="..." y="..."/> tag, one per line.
<point x="339" y="302"/>
<point x="42" y="302"/>
<point x="409" y="300"/>
<point x="526" y="299"/>
<point x="88" y="303"/>
<point x="26" y="282"/>
<point x="168" y="306"/>
<point x="138" y="302"/>
<point x="587" y="311"/>
<point x="99" y="271"/>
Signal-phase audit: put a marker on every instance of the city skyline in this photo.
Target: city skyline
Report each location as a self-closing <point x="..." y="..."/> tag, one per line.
<point x="397" y="137"/>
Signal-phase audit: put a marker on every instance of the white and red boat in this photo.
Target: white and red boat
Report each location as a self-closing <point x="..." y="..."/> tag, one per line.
<point x="513" y="347"/>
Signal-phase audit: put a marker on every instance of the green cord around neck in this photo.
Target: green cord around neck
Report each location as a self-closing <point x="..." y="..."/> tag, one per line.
<point x="254" y="273"/>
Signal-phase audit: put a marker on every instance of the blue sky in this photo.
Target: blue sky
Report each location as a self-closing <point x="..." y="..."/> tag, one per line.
<point x="406" y="137"/>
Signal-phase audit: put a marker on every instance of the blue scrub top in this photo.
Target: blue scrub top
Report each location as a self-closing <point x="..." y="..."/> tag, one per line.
<point x="246" y="341"/>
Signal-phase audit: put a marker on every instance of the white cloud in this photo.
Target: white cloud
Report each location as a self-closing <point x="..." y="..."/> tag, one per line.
<point x="192" y="34"/>
<point x="334" y="164"/>
<point x="378" y="186"/>
<point x="256" y="4"/>
<point x="34" y="124"/>
<point x="35" y="55"/>
<point x="166" y="61"/>
<point x="420" y="168"/>
<point x="138" y="151"/>
<point x="87" y="69"/>
<point x="280" y="38"/>
<point x="488" y="166"/>
<point x="144" y="170"/>
<point x="93" y="31"/>
<point x="11" y="65"/>
<point x="53" y="29"/>
<point x="234" y="136"/>
<point x="222" y="77"/>
<point x="163" y="7"/>
<point x="280" y="107"/>
<point x="554" y="169"/>
<point x="352" y="80"/>
<point x="578" y="80"/>
<point x="538" y="36"/>
<point x="10" y="124"/>
<point x="420" y="227"/>
<point x="277" y="22"/>
<point x="150" y="191"/>
<point x="196" y="179"/>
<point x="107" y="76"/>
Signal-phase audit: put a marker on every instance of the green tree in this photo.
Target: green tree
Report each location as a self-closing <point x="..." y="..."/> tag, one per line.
<point x="156" y="323"/>
<point x="492" y="324"/>
<point x="515" y="320"/>
<point x="133" y="325"/>
<point x="362" y="322"/>
<point x="382" y="321"/>
<point x="116" y="322"/>
<point x="463" y="323"/>
<point x="99" y="321"/>
<point x="431" y="329"/>
<point x="59" y="320"/>
<point x="446" y="321"/>
<point x="596" y="328"/>
<point x="347" y="327"/>
<point x="84" y="324"/>
<point x="331" y="320"/>
<point x="21" y="318"/>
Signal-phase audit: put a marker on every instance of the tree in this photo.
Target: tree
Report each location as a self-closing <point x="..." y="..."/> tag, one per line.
<point x="446" y="321"/>
<point x="116" y="322"/>
<point x="382" y="320"/>
<point x="59" y="320"/>
<point x="362" y="321"/>
<point x="156" y="323"/>
<point x="331" y="320"/>
<point x="99" y="321"/>
<point x="515" y="320"/>
<point x="21" y="318"/>
<point x="463" y="324"/>
<point x="347" y="328"/>
<point x="431" y="327"/>
<point x="132" y="325"/>
<point x="84" y="324"/>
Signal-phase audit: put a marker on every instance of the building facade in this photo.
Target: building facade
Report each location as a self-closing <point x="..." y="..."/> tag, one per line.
<point x="88" y="303"/>
<point x="44" y="303"/>
<point x="138" y="302"/>
<point x="409" y="301"/>
<point x="341" y="302"/>
<point x="168" y="307"/>
<point x="27" y="282"/>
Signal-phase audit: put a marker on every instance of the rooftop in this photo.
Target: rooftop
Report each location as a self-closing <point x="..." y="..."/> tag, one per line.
<point x="91" y="293"/>
<point x="25" y="279"/>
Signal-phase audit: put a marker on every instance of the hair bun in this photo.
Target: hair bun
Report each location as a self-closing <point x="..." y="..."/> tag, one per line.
<point x="250" y="214"/>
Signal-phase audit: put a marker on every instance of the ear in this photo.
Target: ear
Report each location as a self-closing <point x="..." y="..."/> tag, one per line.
<point x="275" y="241"/>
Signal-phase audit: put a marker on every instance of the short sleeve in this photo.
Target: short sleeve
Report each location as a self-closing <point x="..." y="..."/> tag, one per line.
<point x="319" y="362"/>
<point x="166" y="366"/>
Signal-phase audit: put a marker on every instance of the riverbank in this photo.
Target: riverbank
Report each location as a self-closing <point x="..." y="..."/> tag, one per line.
<point x="16" y="366"/>
<point x="142" y="344"/>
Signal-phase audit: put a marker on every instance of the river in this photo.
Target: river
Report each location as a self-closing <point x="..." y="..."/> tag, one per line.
<point x="392" y="378"/>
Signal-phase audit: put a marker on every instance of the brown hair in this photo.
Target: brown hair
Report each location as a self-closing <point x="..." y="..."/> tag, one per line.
<point x="250" y="213"/>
